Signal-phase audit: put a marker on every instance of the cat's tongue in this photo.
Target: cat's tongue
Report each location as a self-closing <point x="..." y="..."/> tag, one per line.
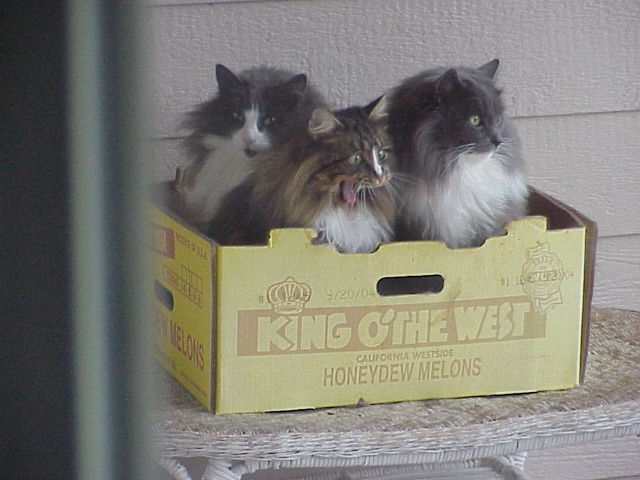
<point x="348" y="192"/>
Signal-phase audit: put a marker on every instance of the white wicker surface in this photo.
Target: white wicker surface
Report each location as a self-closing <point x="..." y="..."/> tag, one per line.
<point x="501" y="468"/>
<point x="424" y="432"/>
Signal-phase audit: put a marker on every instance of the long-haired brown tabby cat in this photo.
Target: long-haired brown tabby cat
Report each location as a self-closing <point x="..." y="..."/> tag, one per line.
<point x="334" y="179"/>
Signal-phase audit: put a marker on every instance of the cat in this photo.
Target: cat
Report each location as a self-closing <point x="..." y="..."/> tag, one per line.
<point x="253" y="112"/>
<point x="452" y="136"/>
<point x="336" y="179"/>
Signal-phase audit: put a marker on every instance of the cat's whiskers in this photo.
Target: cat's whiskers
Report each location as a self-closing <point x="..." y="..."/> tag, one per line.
<point x="361" y="193"/>
<point x="403" y="177"/>
<point x="506" y="143"/>
<point x="392" y="192"/>
<point x="462" y="149"/>
<point x="363" y="203"/>
<point x="372" y="192"/>
<point x="393" y="189"/>
<point x="454" y="155"/>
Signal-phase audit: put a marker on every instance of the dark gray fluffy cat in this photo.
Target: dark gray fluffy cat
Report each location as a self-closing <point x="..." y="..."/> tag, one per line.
<point x="253" y="112"/>
<point x="460" y="155"/>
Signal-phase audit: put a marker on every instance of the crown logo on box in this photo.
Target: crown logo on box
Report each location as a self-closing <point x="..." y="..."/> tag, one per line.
<point x="288" y="297"/>
<point x="542" y="275"/>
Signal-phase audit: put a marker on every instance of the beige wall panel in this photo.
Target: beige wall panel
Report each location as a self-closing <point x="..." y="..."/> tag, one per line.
<point x="558" y="57"/>
<point x="617" y="282"/>
<point x="590" y="162"/>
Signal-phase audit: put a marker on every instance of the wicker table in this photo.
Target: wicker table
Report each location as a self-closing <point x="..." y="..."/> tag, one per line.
<point x="488" y="435"/>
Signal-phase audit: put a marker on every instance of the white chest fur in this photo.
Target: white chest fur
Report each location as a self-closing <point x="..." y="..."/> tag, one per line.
<point x="352" y="229"/>
<point x="224" y="168"/>
<point x="473" y="202"/>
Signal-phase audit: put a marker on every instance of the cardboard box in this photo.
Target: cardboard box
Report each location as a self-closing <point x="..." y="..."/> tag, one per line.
<point x="293" y="325"/>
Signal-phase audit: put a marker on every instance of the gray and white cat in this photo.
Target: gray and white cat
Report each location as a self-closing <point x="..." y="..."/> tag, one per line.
<point x="462" y="153"/>
<point x="253" y="112"/>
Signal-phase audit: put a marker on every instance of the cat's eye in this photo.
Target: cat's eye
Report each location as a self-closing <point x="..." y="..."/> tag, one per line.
<point x="475" y="120"/>
<point x="238" y="116"/>
<point x="382" y="154"/>
<point x="355" y="159"/>
<point x="268" y="121"/>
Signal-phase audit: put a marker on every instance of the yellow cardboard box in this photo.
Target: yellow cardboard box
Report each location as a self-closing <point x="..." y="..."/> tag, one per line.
<point x="293" y="325"/>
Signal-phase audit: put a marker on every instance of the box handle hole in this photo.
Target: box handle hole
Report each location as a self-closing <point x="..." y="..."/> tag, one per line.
<point x="163" y="294"/>
<point x="410" y="285"/>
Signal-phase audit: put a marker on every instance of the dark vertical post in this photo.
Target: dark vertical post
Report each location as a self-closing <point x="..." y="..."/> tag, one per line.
<point x="35" y="346"/>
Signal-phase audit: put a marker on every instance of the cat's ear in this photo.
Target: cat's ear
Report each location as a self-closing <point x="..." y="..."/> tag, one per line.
<point x="378" y="109"/>
<point x="288" y="94"/>
<point x="322" y="122"/>
<point x="298" y="84"/>
<point x="488" y="70"/>
<point x="447" y="83"/>
<point x="226" y="79"/>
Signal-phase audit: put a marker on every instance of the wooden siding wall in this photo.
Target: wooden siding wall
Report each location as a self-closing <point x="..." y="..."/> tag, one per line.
<point x="570" y="73"/>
